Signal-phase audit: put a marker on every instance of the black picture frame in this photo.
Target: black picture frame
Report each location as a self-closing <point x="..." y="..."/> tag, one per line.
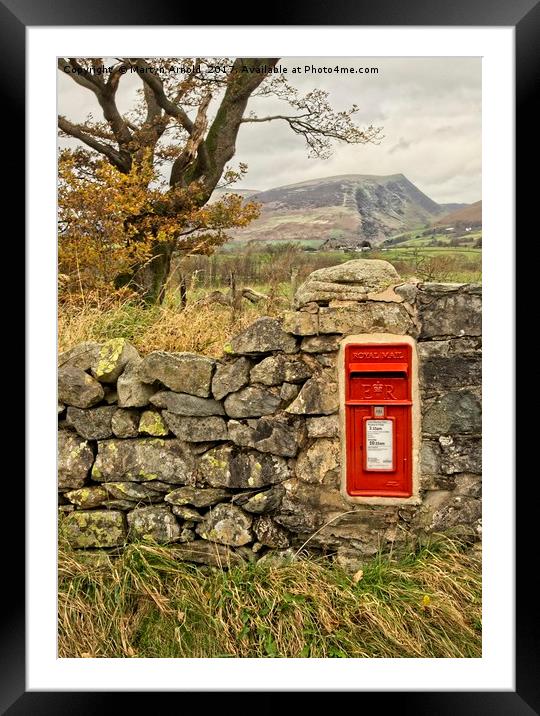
<point x="524" y="16"/>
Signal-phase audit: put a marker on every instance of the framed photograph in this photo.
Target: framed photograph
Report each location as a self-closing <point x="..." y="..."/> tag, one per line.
<point x="378" y="133"/>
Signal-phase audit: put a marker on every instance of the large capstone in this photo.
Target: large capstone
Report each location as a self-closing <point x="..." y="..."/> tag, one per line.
<point x="226" y="524"/>
<point x="144" y="460"/>
<point x="93" y="424"/>
<point x="93" y="528"/>
<point x="251" y="402"/>
<point x="352" y="281"/>
<point x="196" y="430"/>
<point x="230" y="377"/>
<point x="319" y="396"/>
<point x="189" y="405"/>
<point x="77" y="388"/>
<point x="154" y="523"/>
<point x="182" y="372"/>
<point x="225" y="467"/>
<point x="113" y="357"/>
<point x="367" y="317"/>
<point x="75" y="458"/>
<point x="265" y="335"/>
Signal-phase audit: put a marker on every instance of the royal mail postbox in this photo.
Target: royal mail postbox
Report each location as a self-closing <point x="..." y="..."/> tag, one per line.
<point x="378" y="419"/>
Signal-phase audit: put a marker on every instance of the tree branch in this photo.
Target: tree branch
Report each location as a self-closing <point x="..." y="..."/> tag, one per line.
<point x="119" y="160"/>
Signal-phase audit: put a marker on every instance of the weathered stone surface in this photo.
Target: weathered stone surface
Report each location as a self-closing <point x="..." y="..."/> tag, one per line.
<point x="251" y="402"/>
<point x="327" y="360"/>
<point x="301" y="323"/>
<point x="188" y="405"/>
<point x="321" y="344"/>
<point x="230" y="377"/>
<point x="182" y="372"/>
<point x="80" y="356"/>
<point x="319" y="395"/>
<point x="224" y="467"/>
<point x="279" y="368"/>
<point x="156" y="523"/>
<point x="448" y="372"/>
<point x="442" y="511"/>
<point x="269" y="533"/>
<point x="210" y="553"/>
<point x="305" y="507"/>
<point x="125" y="423"/>
<point x="192" y="429"/>
<point x="196" y="496"/>
<point x="327" y="426"/>
<point x="152" y="423"/>
<point x="320" y="462"/>
<point x="260" y="502"/>
<point x="77" y="388"/>
<point x="449" y="310"/>
<point x="187" y="513"/>
<point x="407" y="291"/>
<point x="133" y="491"/>
<point x="367" y="317"/>
<point x="94" y="528"/>
<point x="92" y="424"/>
<point x="351" y="280"/>
<point x="75" y="458"/>
<point x="240" y="434"/>
<point x="226" y="524"/>
<point x="113" y="357"/>
<point x="110" y="395"/>
<point x="460" y="454"/>
<point x="288" y="392"/>
<point x="87" y="497"/>
<point x="277" y="435"/>
<point x="133" y="392"/>
<point x="61" y="408"/>
<point x="144" y="460"/>
<point x="265" y="335"/>
<point x="457" y="412"/>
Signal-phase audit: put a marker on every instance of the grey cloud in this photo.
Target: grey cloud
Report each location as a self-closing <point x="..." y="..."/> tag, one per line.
<point x="430" y="110"/>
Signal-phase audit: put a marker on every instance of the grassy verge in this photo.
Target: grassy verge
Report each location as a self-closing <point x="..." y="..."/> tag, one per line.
<point x="146" y="604"/>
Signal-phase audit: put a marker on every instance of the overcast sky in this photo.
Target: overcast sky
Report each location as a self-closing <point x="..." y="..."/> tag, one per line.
<point x="429" y="108"/>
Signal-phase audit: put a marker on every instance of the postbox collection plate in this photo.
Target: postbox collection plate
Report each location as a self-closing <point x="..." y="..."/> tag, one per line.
<point x="378" y="419"/>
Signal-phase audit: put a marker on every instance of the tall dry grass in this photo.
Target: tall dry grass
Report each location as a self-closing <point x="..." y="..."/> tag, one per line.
<point x="198" y="329"/>
<point x="144" y="603"/>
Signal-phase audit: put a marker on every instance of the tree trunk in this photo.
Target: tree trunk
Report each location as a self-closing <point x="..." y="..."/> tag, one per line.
<point x="149" y="279"/>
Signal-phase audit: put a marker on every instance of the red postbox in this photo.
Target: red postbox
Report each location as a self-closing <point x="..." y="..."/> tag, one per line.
<point x="378" y="419"/>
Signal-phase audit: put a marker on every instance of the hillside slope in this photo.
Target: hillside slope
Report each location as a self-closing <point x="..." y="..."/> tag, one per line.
<point x="470" y="215"/>
<point x="346" y="209"/>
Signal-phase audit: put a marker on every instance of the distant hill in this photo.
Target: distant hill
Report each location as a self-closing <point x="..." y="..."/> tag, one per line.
<point x="470" y="215"/>
<point x="343" y="210"/>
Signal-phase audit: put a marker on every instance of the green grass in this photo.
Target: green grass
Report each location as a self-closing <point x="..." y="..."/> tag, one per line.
<point x="144" y="603"/>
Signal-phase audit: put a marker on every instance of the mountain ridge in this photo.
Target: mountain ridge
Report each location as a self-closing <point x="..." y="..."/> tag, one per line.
<point x="345" y="209"/>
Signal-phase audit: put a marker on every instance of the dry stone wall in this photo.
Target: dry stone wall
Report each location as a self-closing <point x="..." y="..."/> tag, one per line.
<point x="239" y="458"/>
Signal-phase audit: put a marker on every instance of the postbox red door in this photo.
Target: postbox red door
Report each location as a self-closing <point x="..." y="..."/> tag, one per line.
<point x="378" y="419"/>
